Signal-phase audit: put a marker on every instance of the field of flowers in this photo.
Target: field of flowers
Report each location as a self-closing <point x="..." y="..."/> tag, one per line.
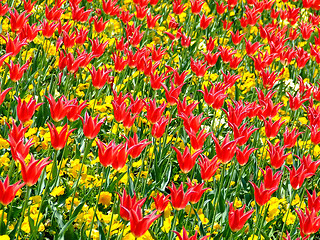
<point x="151" y="119"/>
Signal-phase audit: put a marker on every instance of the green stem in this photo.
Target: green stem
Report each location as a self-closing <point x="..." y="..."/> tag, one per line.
<point x="284" y="224"/>
<point x="97" y="201"/>
<point x="23" y="210"/>
<point x="173" y="223"/>
<point x="86" y="151"/>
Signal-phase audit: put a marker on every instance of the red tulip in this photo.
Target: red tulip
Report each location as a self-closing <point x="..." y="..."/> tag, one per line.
<point x="19" y="149"/>
<point x="161" y="202"/>
<point x="91" y="127"/>
<point x="135" y="147"/>
<point x="75" y="110"/>
<point x="139" y="224"/>
<point x="271" y="180"/>
<point x="16" y="132"/>
<point x="59" y="140"/>
<point x="237" y="218"/>
<point x="60" y="108"/>
<point x="153" y="112"/>
<point x="127" y="204"/>
<point x="17" y="20"/>
<point x="25" y="110"/>
<point x="196" y="6"/>
<point x="197" y="192"/>
<point x="187" y="161"/>
<point x="277" y="156"/>
<point x="159" y="127"/>
<point x="226" y="150"/>
<point x="262" y="195"/>
<point x="8" y="192"/>
<point x="310" y="165"/>
<point x="185" y="235"/>
<point x="16" y="72"/>
<point x="243" y="156"/>
<point x="3" y="94"/>
<point x="208" y="167"/>
<point x="290" y="138"/>
<point x="179" y="198"/>
<point x="298" y="176"/>
<point x="309" y="222"/>
<point x="32" y="171"/>
<point x="272" y="128"/>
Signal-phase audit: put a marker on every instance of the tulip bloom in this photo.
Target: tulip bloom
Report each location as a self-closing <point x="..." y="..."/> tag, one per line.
<point x="60" y="108"/>
<point x="298" y="176"/>
<point x="237" y="218"/>
<point x="208" y="167"/>
<point x="185" y="235"/>
<point x="91" y="127"/>
<point x="309" y="222"/>
<point x="197" y="192"/>
<point x="3" y="94"/>
<point x="8" y="192"/>
<point x="277" y="156"/>
<point x="179" y="198"/>
<point x="153" y="112"/>
<point x="59" y="140"/>
<point x="19" y="149"/>
<point x="226" y="150"/>
<point x="16" y="132"/>
<point x="186" y="161"/>
<point x="313" y="201"/>
<point x="32" y="171"/>
<point x="139" y="224"/>
<point x="127" y="204"/>
<point x="271" y="180"/>
<point x="75" y="110"/>
<point x="25" y="110"/>
<point x="161" y="202"/>
<point x="262" y="195"/>
<point x="135" y="147"/>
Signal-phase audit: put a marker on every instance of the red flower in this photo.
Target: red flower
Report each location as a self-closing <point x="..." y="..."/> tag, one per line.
<point x="277" y="156"/>
<point x="25" y="110"/>
<point x="187" y="161"/>
<point x="199" y="67"/>
<point x="262" y="195"/>
<point x="272" y="128"/>
<point x="53" y="14"/>
<point x="13" y="47"/>
<point x="60" y="108"/>
<point x="251" y="48"/>
<point x="310" y="165"/>
<point x="120" y="157"/>
<point x="16" y="132"/>
<point x="3" y="94"/>
<point x="91" y="127"/>
<point x="243" y="156"/>
<point x="197" y="193"/>
<point x="237" y="218"/>
<point x="243" y="133"/>
<point x="8" y="192"/>
<point x="211" y="59"/>
<point x="192" y="123"/>
<point x="75" y="110"/>
<point x="19" y="149"/>
<point x="220" y="8"/>
<point x="173" y="94"/>
<point x="226" y="150"/>
<point x="179" y="199"/>
<point x="185" y="235"/>
<point x="309" y="222"/>
<point x="16" y="72"/>
<point x="178" y="7"/>
<point x="97" y="47"/>
<point x="100" y="77"/>
<point x="271" y="180"/>
<point x="196" y="6"/>
<point x="161" y="202"/>
<point x="296" y="101"/>
<point x="159" y="127"/>
<point x="208" y="167"/>
<point x="127" y="204"/>
<point x="151" y="21"/>
<point x="107" y="153"/>
<point x="290" y="138"/>
<point x="186" y="109"/>
<point x="153" y="112"/>
<point x="3" y="9"/>
<point x="32" y="172"/>
<point x="236" y="37"/>
<point x="59" y="140"/>
<point x="139" y="224"/>
<point x="100" y="25"/>
<point x="119" y="62"/>
<point x="134" y="146"/>
<point x="313" y="201"/>
<point x="17" y="20"/>
<point x="48" y="29"/>
<point x="197" y="140"/>
<point x="205" y="22"/>
<point x="298" y="176"/>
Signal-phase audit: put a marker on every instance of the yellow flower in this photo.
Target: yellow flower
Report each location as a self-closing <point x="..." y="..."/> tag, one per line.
<point x="105" y="198"/>
<point x="57" y="191"/>
<point x="4" y="237"/>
